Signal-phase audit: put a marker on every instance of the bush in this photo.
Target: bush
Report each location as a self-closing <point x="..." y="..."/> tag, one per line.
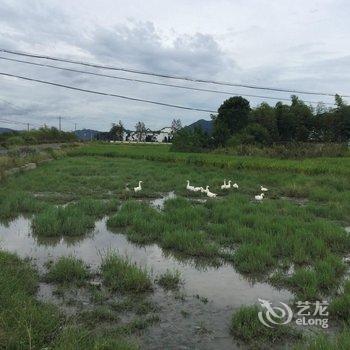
<point x="32" y="137"/>
<point x="191" y="140"/>
<point x="253" y="134"/>
<point x="15" y="141"/>
<point x="284" y="150"/>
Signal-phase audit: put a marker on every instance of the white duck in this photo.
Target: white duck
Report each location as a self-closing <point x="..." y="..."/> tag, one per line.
<point x="263" y="189"/>
<point x="138" y="188"/>
<point x="210" y="194"/>
<point x="259" y="197"/>
<point x="226" y="186"/>
<point x="197" y="189"/>
<point x="223" y="187"/>
<point x="235" y="186"/>
<point x="189" y="187"/>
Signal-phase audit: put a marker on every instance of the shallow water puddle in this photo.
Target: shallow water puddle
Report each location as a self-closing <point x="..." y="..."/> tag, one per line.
<point x="206" y="325"/>
<point x="158" y="203"/>
<point x="222" y="285"/>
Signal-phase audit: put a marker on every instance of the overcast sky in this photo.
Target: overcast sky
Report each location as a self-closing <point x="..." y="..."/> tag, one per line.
<point x="281" y="43"/>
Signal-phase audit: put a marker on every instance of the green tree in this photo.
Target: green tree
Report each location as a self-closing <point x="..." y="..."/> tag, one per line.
<point x="252" y="134"/>
<point x="191" y="140"/>
<point x="341" y="120"/>
<point x="176" y="125"/>
<point x="117" y="131"/>
<point x="140" y="130"/>
<point x="232" y="117"/>
<point x="304" y="119"/>
<point x="286" y="122"/>
<point x="265" y="115"/>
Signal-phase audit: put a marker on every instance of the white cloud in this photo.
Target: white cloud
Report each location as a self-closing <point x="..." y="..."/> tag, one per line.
<point x="284" y="44"/>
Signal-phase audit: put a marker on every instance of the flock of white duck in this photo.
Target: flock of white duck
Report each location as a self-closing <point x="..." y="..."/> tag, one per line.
<point x="225" y="186"/>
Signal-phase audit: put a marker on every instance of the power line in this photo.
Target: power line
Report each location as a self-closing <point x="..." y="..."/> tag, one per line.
<point x="20" y="110"/>
<point x="15" y="122"/>
<point x="12" y="121"/>
<point x="151" y="82"/>
<point x="168" y="76"/>
<point x="108" y="94"/>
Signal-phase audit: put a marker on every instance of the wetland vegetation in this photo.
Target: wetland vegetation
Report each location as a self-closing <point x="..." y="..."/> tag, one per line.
<point x="294" y="240"/>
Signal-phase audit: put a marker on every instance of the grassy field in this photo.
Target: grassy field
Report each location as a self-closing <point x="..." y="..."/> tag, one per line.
<point x="300" y="225"/>
<point x="161" y="153"/>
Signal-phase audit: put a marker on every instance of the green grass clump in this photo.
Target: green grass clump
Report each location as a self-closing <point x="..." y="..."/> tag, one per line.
<point x="62" y="221"/>
<point x="339" y="308"/>
<point x="245" y="325"/>
<point x="169" y="280"/>
<point x="310" y="283"/>
<point x="137" y="324"/>
<point x="14" y="203"/>
<point x="68" y="269"/>
<point x="340" y="341"/>
<point x="304" y="283"/>
<point x="120" y="274"/>
<point x="254" y="259"/>
<point x="25" y="323"/>
<point x="189" y="243"/>
<point x="75" y="337"/>
<point x="130" y="212"/>
<point x="135" y="303"/>
<point x="97" y="208"/>
<point x="98" y="315"/>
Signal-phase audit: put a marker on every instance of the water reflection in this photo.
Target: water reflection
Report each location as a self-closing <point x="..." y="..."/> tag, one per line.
<point x="221" y="284"/>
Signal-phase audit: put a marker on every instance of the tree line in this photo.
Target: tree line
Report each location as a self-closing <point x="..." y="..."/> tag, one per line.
<point x="38" y="136"/>
<point x="238" y="123"/>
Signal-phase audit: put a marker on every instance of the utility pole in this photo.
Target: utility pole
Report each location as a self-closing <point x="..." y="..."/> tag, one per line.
<point x="59" y="123"/>
<point x="27" y="126"/>
<point x="75" y="126"/>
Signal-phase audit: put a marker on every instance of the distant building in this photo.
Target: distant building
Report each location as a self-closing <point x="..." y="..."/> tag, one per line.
<point x="163" y="135"/>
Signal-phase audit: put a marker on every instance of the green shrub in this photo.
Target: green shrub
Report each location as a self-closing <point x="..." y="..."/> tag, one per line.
<point x="15" y="140"/>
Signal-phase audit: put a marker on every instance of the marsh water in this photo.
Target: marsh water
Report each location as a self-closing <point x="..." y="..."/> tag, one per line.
<point x="211" y="293"/>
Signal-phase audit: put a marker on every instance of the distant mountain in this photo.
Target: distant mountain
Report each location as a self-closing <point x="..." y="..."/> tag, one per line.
<point x="205" y="125"/>
<point x="86" y="134"/>
<point x="4" y="130"/>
